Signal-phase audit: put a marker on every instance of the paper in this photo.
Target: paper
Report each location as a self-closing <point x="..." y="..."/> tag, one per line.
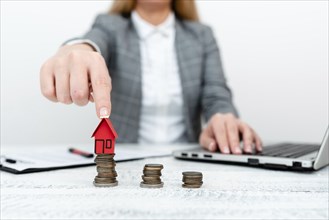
<point x="31" y="158"/>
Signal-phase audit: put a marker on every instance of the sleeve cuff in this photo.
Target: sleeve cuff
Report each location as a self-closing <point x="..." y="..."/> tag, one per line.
<point x="83" y="41"/>
<point x="220" y="109"/>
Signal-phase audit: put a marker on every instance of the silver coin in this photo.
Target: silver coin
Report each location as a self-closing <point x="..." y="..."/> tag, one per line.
<point x="105" y="184"/>
<point x="143" y="185"/>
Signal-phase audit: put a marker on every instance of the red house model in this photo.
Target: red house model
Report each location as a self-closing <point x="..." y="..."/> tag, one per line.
<point x="105" y="136"/>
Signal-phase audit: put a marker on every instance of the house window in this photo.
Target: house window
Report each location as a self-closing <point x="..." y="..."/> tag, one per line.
<point x="108" y="144"/>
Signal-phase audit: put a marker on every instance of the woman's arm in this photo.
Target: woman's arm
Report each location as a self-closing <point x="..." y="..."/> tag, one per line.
<point x="216" y="95"/>
<point x="223" y="126"/>
<point x="101" y="35"/>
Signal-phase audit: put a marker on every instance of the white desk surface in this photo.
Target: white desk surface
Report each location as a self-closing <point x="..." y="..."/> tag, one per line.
<point x="229" y="191"/>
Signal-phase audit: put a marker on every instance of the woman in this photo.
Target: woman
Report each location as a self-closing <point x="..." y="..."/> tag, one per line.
<point x="161" y="68"/>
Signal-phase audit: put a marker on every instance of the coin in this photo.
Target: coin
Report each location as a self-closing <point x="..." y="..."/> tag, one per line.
<point x="192" y="173"/>
<point x="107" y="174"/>
<point x="104" y="179"/>
<point x="152" y="182"/>
<point x="151" y="178"/>
<point x="192" y="179"/>
<point x="106" y="184"/>
<point x="105" y="155"/>
<point x="185" y="179"/>
<point x="192" y="182"/>
<point x="106" y="165"/>
<point x="151" y="173"/>
<point x="153" y="166"/>
<point x="191" y="186"/>
<point x="104" y="161"/>
<point x="144" y="185"/>
<point x="105" y="169"/>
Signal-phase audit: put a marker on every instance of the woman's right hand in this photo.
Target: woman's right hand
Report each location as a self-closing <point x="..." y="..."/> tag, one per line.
<point x="77" y="74"/>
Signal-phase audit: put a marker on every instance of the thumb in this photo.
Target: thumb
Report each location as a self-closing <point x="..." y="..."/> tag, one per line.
<point x="207" y="141"/>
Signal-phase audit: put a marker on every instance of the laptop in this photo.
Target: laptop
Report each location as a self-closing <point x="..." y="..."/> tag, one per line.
<point x="288" y="156"/>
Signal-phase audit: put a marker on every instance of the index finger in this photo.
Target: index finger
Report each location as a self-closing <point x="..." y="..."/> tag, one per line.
<point x="221" y="137"/>
<point x="101" y="86"/>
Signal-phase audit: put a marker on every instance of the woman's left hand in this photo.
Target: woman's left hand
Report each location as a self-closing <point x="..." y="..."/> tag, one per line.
<point x="223" y="133"/>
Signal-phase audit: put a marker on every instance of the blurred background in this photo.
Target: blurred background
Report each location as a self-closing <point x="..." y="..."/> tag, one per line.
<point x="275" y="56"/>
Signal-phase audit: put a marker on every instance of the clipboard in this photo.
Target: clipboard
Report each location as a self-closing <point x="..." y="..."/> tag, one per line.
<point x="30" y="159"/>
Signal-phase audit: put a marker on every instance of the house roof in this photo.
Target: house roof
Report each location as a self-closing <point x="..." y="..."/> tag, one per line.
<point x="109" y="123"/>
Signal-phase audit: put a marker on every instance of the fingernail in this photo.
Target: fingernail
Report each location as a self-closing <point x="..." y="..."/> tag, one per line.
<point x="226" y="150"/>
<point x="104" y="113"/>
<point x="238" y="150"/>
<point x="248" y="149"/>
<point x="212" y="146"/>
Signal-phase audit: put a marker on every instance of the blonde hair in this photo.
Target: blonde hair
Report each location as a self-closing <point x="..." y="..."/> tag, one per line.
<point x="183" y="9"/>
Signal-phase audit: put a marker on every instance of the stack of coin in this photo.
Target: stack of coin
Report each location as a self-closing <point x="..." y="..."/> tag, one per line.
<point x="192" y="179"/>
<point x="151" y="177"/>
<point x="106" y="171"/>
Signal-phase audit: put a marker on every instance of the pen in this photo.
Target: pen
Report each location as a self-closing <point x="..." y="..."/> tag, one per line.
<point x="81" y="153"/>
<point x="10" y="160"/>
<point x="13" y="161"/>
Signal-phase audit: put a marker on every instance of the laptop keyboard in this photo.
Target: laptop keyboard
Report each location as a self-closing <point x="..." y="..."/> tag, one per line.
<point x="288" y="150"/>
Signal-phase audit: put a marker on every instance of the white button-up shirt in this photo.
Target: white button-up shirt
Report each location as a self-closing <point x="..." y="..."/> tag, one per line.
<point x="162" y="119"/>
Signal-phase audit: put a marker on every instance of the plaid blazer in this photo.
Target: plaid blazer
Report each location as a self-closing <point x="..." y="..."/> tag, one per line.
<point x="203" y="83"/>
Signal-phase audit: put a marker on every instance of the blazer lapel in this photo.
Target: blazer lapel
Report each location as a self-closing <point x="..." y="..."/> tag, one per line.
<point x="179" y="43"/>
<point x="132" y="66"/>
<point x="132" y="40"/>
<point x="184" y="51"/>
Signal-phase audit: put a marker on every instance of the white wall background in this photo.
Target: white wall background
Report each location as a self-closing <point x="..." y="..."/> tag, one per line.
<point x="275" y="55"/>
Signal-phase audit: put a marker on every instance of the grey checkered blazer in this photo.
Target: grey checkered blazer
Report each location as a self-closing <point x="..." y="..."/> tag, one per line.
<point x="203" y="82"/>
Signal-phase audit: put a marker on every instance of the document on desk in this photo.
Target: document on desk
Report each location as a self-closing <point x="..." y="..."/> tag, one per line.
<point x="28" y="159"/>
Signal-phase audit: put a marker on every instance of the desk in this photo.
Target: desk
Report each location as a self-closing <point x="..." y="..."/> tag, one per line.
<point x="228" y="192"/>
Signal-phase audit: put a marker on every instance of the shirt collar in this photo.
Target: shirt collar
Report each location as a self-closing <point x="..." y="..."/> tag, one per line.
<point x="145" y="29"/>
